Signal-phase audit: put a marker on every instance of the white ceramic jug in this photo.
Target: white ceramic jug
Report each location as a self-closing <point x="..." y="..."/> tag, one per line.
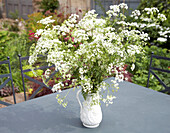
<point x="90" y="115"/>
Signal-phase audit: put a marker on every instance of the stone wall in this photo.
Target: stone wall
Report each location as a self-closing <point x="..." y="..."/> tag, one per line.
<point x="69" y="6"/>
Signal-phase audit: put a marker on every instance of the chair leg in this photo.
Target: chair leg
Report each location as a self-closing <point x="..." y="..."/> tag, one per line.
<point x="148" y="79"/>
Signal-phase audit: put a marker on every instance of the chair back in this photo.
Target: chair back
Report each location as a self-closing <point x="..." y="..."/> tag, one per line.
<point x="25" y="76"/>
<point x="9" y="78"/>
<point x="151" y="68"/>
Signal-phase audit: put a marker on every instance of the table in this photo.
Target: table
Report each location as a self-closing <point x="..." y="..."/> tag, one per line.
<point x="136" y="110"/>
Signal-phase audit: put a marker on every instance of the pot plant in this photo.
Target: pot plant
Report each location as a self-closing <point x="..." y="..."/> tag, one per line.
<point x="88" y="51"/>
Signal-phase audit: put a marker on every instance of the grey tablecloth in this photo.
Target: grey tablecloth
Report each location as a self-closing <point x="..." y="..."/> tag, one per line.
<point x="136" y="110"/>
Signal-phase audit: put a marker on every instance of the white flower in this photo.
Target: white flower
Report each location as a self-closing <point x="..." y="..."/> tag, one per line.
<point x="135" y="13"/>
<point x="47" y="73"/>
<point x="162" y="17"/>
<point x="151" y="25"/>
<point x="133" y="67"/>
<point x="115" y="8"/>
<point x="126" y="78"/>
<point x="161" y="39"/>
<point x="57" y="87"/>
<point x="38" y="32"/>
<point x="123" y="6"/>
<point x="142" y="25"/>
<point x="164" y="33"/>
<point x="46" y="20"/>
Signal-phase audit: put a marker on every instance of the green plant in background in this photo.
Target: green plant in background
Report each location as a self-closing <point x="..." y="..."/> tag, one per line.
<point x="14" y="27"/>
<point x="4" y="39"/>
<point x="142" y="68"/>
<point x="14" y="15"/>
<point x="31" y="22"/>
<point x="150" y="21"/>
<point x="58" y="15"/>
<point x="38" y="72"/>
<point x="32" y="25"/>
<point x="48" y="5"/>
<point x="16" y="44"/>
<point x="5" y="25"/>
<point x="4" y="36"/>
<point x="162" y="5"/>
<point x="158" y="29"/>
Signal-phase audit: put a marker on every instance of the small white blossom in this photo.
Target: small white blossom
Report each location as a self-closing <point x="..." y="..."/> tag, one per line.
<point x="133" y="67"/>
<point x="162" y="17"/>
<point x="46" y="20"/>
<point x="57" y="87"/>
<point x="161" y="39"/>
<point x="123" y="6"/>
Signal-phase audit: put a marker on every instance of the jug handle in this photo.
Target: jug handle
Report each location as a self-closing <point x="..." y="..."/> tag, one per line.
<point x="79" y="99"/>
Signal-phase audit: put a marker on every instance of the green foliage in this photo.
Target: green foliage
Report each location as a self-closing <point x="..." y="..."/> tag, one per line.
<point x="31" y="22"/>
<point x="13" y="45"/>
<point x="13" y="27"/>
<point x="32" y="25"/>
<point x="30" y="73"/>
<point x="142" y="67"/>
<point x="14" y="15"/>
<point x="5" y="38"/>
<point x="49" y="5"/>
<point x="9" y="25"/>
<point x="17" y="46"/>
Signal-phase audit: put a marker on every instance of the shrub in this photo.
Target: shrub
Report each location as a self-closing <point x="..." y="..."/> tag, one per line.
<point x="11" y="45"/>
<point x="162" y="5"/>
<point x="142" y="68"/>
<point x="32" y="25"/>
<point x="31" y="22"/>
<point x="150" y="21"/>
<point x="48" y="5"/>
<point x="5" y="38"/>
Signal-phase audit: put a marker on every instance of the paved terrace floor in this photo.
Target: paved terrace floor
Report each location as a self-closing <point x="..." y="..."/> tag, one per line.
<point x="19" y="98"/>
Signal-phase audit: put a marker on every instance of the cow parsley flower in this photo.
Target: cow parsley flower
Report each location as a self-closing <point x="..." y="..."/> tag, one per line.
<point x="89" y="50"/>
<point x="46" y="20"/>
<point x="161" y="39"/>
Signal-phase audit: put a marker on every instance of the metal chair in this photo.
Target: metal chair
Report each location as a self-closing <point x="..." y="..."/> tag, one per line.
<point x="151" y="68"/>
<point x="34" y="80"/>
<point x="9" y="78"/>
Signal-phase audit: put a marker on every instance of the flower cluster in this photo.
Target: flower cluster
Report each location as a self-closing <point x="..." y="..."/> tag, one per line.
<point x="115" y="10"/>
<point x="93" y="51"/>
<point x="150" y="20"/>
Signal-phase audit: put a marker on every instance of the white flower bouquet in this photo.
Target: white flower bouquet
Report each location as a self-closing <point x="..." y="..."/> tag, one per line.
<point x="90" y="50"/>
